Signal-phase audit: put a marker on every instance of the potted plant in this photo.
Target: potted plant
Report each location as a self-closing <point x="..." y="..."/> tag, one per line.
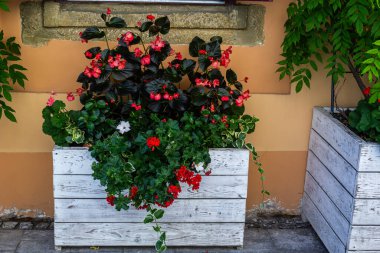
<point x="10" y="73"/>
<point x="157" y="131"/>
<point x="341" y="198"/>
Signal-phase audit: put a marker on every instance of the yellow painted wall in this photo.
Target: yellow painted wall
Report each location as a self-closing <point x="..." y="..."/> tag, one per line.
<point x="281" y="136"/>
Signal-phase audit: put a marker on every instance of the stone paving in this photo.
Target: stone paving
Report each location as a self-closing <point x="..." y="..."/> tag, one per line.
<point x="257" y="240"/>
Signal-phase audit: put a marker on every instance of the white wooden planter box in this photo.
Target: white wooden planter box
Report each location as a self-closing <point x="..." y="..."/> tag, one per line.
<point x="342" y="187"/>
<point x="213" y="216"/>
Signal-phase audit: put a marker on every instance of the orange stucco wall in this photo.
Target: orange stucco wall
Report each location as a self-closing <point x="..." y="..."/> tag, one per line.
<point x="281" y="136"/>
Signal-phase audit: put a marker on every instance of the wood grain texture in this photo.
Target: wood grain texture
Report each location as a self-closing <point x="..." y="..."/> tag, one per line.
<point x="370" y="157"/>
<point x="327" y="208"/>
<point x="342" y="139"/>
<point x="84" y="186"/>
<point x="182" y="210"/>
<point x="365" y="238"/>
<point x="334" y="190"/>
<point x="368" y="185"/>
<point x="366" y="212"/>
<point x="78" y="161"/>
<point x="139" y="234"/>
<point x="321" y="227"/>
<point x="335" y="163"/>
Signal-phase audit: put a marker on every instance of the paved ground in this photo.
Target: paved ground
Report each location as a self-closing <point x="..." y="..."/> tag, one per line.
<point x="302" y="240"/>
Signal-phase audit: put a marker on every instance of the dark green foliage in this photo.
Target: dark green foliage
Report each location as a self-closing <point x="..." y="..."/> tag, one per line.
<point x="365" y="119"/>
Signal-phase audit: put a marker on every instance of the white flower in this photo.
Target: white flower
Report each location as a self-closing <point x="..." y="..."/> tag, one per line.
<point x="123" y="127"/>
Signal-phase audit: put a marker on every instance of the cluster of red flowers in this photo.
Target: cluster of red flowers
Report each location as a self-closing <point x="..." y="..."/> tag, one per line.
<point x="187" y="176"/>
<point x="174" y="190"/>
<point x="133" y="191"/>
<point x="157" y="44"/>
<point x="240" y="100"/>
<point x="117" y="62"/>
<point x="225" y="59"/>
<point x="166" y="96"/>
<point x="207" y="83"/>
<point x="111" y="199"/>
<point x="136" y="106"/>
<point x="95" y="71"/>
<point x="152" y="142"/>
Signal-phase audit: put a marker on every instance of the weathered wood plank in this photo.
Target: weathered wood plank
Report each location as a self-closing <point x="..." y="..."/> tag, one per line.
<point x="84" y="186"/>
<point x="366" y="212"/>
<point x="365" y="238"/>
<point x="326" y="207"/>
<point x="78" y="161"/>
<point x="342" y="139"/>
<point x="368" y="185"/>
<point x="340" y="168"/>
<point x="139" y="234"/>
<point x="336" y="192"/>
<point x="370" y="157"/>
<point x="182" y="210"/>
<point x="320" y="225"/>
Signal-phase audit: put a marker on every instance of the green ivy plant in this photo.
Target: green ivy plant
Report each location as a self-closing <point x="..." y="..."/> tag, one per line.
<point x="11" y="73"/>
<point x="346" y="32"/>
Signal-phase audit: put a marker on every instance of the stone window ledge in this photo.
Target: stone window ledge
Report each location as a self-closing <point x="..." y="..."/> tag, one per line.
<point x="238" y="25"/>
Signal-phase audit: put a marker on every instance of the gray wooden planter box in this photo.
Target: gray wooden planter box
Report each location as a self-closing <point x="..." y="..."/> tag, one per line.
<point x="213" y="216"/>
<point x="342" y="187"/>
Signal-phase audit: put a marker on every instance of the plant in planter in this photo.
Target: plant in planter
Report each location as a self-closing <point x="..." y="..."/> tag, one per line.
<point x="150" y="115"/>
<point x="339" y="161"/>
<point x="9" y="71"/>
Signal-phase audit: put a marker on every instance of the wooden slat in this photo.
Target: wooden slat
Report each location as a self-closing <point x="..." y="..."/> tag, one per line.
<point x="321" y="227"/>
<point x="84" y="186"/>
<point x="366" y="212"/>
<point x="139" y="234"/>
<point x="78" y="161"/>
<point x="342" y="139"/>
<point x="336" y="192"/>
<point x="340" y="168"/>
<point x="182" y="210"/>
<point x="326" y="207"/>
<point x="370" y="157"/>
<point x="368" y="185"/>
<point x="365" y="238"/>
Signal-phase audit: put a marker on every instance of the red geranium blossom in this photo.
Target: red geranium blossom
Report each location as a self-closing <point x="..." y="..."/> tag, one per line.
<point x="50" y="101"/>
<point x="157" y="44"/>
<point x="246" y="95"/>
<point x="174" y="190"/>
<point x="108" y="11"/>
<point x="79" y="91"/>
<point x="367" y="91"/>
<point x="239" y="101"/>
<point x="152" y="142"/>
<point x="70" y="96"/>
<point x="133" y="191"/>
<point x="138" y="52"/>
<point x="111" y="199"/>
<point x="145" y="60"/>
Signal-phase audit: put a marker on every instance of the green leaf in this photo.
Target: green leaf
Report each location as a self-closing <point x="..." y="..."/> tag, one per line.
<point x="299" y="86"/>
<point x="148" y="219"/>
<point x="4" y="5"/>
<point x="10" y="115"/>
<point x="163" y="236"/>
<point x="116" y="22"/>
<point x="159" y="214"/>
<point x="231" y="76"/>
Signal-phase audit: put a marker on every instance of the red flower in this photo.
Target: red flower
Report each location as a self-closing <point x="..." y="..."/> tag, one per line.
<point x="108" y="11"/>
<point x="157" y="97"/>
<point x="128" y="37"/>
<point x="367" y="91"/>
<point x="215" y="82"/>
<point x="150" y="17"/>
<point x="111" y="199"/>
<point x="224" y="119"/>
<point x="212" y="107"/>
<point x="163" y="120"/>
<point x="137" y="107"/>
<point x="178" y="56"/>
<point x="215" y="64"/>
<point x="157" y="44"/>
<point x="208" y="173"/>
<point x="138" y="52"/>
<point x="225" y="98"/>
<point x="152" y="142"/>
<point x="82" y="40"/>
<point x="202" y="51"/>
<point x="195" y="181"/>
<point x="88" y="54"/>
<point x="145" y="60"/>
<point x="246" y="95"/>
<point x="176" y="95"/>
<point x="139" y="24"/>
<point x="239" y="101"/>
<point x="70" y="97"/>
<point x="174" y="190"/>
<point x="185" y="175"/>
<point x="79" y="91"/>
<point x="133" y="191"/>
<point x="50" y="101"/>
